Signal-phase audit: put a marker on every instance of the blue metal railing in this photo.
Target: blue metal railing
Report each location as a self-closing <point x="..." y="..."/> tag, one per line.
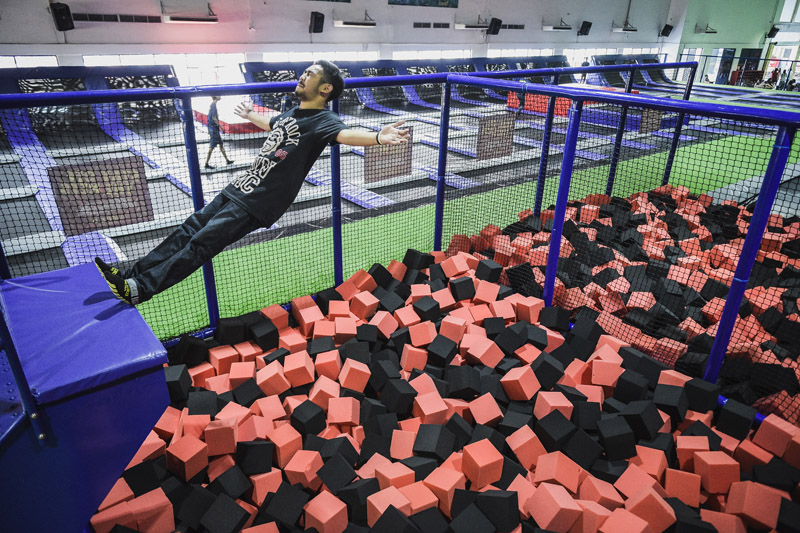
<point x="787" y="121"/>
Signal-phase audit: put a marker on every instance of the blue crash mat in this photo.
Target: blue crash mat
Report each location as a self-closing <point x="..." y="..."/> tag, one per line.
<point x="72" y="334"/>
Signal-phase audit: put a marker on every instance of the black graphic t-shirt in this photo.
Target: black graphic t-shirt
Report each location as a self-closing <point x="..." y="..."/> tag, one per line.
<point x="272" y="182"/>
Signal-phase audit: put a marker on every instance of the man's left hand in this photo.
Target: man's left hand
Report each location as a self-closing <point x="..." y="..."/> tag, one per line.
<point x="392" y="134"/>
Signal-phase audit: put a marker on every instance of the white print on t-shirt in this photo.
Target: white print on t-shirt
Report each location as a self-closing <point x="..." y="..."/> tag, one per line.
<point x="285" y="132"/>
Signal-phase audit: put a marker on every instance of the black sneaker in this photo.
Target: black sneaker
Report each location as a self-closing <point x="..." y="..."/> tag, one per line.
<point x="103" y="267"/>
<point x="229" y="162"/>
<point x="119" y="287"/>
<point x="209" y="167"/>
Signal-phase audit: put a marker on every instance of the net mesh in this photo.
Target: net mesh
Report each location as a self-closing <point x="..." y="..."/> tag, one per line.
<point x="652" y="265"/>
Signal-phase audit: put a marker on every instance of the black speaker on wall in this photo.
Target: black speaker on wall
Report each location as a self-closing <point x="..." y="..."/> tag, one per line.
<point x="62" y="16"/>
<point x="665" y="31"/>
<point x="585" y="27"/>
<point x="494" y="26"/>
<point x="316" y="23"/>
<point x="773" y="31"/>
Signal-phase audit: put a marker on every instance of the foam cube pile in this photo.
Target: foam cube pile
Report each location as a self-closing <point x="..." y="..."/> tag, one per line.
<point x="654" y="270"/>
<point x="426" y="396"/>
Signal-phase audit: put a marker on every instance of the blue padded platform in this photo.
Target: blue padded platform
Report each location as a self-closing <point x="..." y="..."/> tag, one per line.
<point x="96" y="372"/>
<point x="72" y="334"/>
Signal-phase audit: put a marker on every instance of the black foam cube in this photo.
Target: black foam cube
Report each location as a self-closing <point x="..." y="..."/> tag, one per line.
<point x="471" y="520"/>
<point x="698" y="429"/>
<point x="382" y="424"/>
<point x="616" y="437"/>
<point x="465" y="382"/>
<point x="441" y="351"/>
<point x="379" y="273"/>
<point x="194" y="505"/>
<point x="202" y="402"/>
<point x="585" y="415"/>
<point x="336" y="473"/>
<point x="287" y="504"/>
<point x="462" y="498"/>
<point x="609" y="470"/>
<point x="461" y="430"/>
<point x="255" y="457"/>
<point x="232" y="482"/>
<point x="308" y="418"/>
<point x="393" y="521"/>
<point x="494" y="326"/>
<point x="548" y="370"/>
<point x="430" y="520"/>
<point x="643" y="417"/>
<point x="583" y="449"/>
<point x="391" y="302"/>
<point x="554" y="430"/>
<point x="631" y="386"/>
<point x="509" y="341"/>
<point x="672" y="400"/>
<point x="736" y="419"/>
<point x="556" y="318"/>
<point x="276" y="355"/>
<point x="427" y="308"/>
<point x="398" y="396"/>
<point x="230" y="331"/>
<point x="355" y="496"/>
<point x="382" y="371"/>
<point x="319" y="345"/>
<point x="144" y="477"/>
<point x="462" y="288"/>
<point x="789" y="516"/>
<point x="190" y="351"/>
<point x="701" y="394"/>
<point x="481" y="432"/>
<point x="178" y="383"/>
<point x="488" y="270"/>
<point x="422" y="466"/>
<point x="665" y="443"/>
<point x="434" y="441"/>
<point x="247" y="393"/>
<point x="265" y="334"/>
<point x="418" y="260"/>
<point x="224" y="515"/>
<point x="367" y="333"/>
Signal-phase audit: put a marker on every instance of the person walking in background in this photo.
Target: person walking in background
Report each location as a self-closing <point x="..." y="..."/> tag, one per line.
<point x="215" y="139"/>
<point x="584" y="64"/>
<point x="782" y="83"/>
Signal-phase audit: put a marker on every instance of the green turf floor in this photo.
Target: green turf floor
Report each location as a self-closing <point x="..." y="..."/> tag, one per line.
<point x="251" y="277"/>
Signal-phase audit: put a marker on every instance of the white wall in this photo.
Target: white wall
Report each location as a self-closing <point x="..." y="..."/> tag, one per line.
<point x="255" y="26"/>
<point x="277" y="25"/>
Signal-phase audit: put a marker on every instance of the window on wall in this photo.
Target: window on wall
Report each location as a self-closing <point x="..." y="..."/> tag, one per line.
<point x="789" y="11"/>
<point x="28" y="61"/>
<point x="405" y="55"/>
<point x="519" y="52"/>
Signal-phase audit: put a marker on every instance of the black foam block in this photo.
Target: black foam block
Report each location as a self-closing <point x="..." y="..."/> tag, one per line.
<point x="430" y="520"/>
<point x="672" y="400"/>
<point x="471" y="520"/>
<point x="308" y="418"/>
<point x="643" y="417"/>
<point x="336" y="473"/>
<point x="381" y="276"/>
<point x="789" y="514"/>
<point x="616" y="437"/>
<point x="631" y="386"/>
<point x="287" y="504"/>
<point x="230" y="331"/>
<point x="583" y="449"/>
<point x="422" y="466"/>
<point x="488" y="270"/>
<point x="224" y="515"/>
<point x="178" y="383"/>
<point x="548" y="370"/>
<point x="190" y="351"/>
<point x="736" y="419"/>
<point x="427" y="308"/>
<point x="144" y="477"/>
<point x="192" y="508"/>
<point x="462" y="288"/>
<point x="465" y="382"/>
<point x="398" y="396"/>
<point x="355" y="497"/>
<point x="554" y="430"/>
<point x="247" y="393"/>
<point x="325" y="297"/>
<point x="434" y="441"/>
<point x="608" y="470"/>
<point x="555" y="318"/>
<point x="393" y="521"/>
<point x="233" y="482"/>
<point x="264" y="334"/>
<point x="461" y="430"/>
<point x="254" y="457"/>
<point x="585" y="415"/>
<point x="202" y="402"/>
<point x="418" y="260"/>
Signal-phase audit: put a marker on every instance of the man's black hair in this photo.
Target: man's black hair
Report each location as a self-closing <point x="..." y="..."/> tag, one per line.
<point x="331" y="74"/>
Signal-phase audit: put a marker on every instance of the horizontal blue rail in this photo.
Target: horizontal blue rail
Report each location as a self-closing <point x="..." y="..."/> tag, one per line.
<point x="163" y="93"/>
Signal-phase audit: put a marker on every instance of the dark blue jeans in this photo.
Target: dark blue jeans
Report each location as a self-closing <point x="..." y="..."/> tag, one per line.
<point x="202" y="236"/>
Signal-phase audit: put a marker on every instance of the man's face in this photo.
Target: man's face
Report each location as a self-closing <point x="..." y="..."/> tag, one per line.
<point x="311" y="84"/>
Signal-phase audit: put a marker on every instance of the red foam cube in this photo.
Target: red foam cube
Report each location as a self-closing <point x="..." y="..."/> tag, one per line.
<point x="482" y="463"/>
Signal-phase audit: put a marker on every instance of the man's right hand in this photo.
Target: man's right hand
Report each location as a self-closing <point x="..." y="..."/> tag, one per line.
<point x="243" y="109"/>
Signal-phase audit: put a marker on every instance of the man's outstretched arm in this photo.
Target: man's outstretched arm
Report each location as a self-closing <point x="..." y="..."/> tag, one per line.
<point x="245" y="110"/>
<point x="390" y="134"/>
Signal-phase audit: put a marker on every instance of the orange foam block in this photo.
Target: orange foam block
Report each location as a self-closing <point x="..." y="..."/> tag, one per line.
<point x="419" y="496"/>
<point x="683" y="485"/>
<point x="600" y="491"/>
<point x="326" y="513"/>
<point x="354" y="375"/>
<point x="485" y="410"/>
<point x="393" y="475"/>
<point x="526" y="446"/>
<point x="553" y="508"/>
<point x="774" y="434"/>
<point x="648" y="505"/>
<point x="302" y="468"/>
<point x="555" y="467"/>
<point x="443" y="482"/>
<point x="482" y="463"/>
<point x="520" y="383"/>
<point x="624" y="521"/>
<point x="717" y="470"/>
<point x="186" y="457"/>
<point x="547" y="402"/>
<point x="378" y="502"/>
<point x="757" y="505"/>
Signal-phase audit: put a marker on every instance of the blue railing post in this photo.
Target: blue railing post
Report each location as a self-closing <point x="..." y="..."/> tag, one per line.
<point x="561" y="201"/>
<point x="623" y="116"/>
<point x="5" y="271"/>
<point x="676" y="137"/>
<point x="199" y="202"/>
<point x="752" y="243"/>
<point x="26" y="397"/>
<point x="548" y="126"/>
<point x="336" y="208"/>
<point x="444" y="127"/>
